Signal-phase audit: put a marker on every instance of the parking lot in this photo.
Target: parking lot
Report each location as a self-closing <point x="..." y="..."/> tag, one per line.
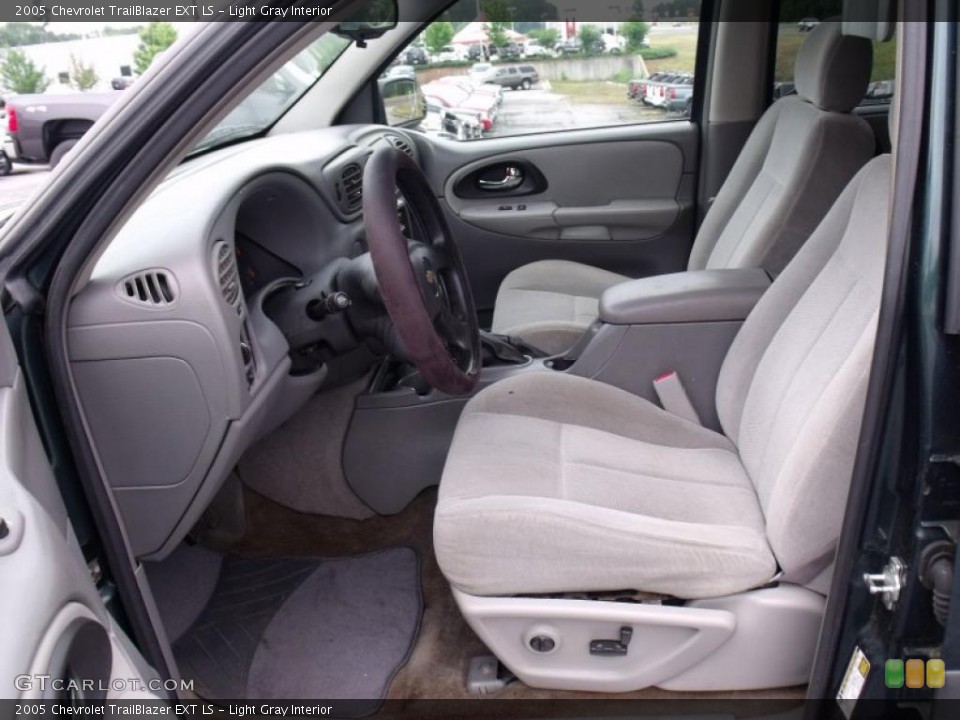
<point x="20" y="185"/>
<point x="545" y="109"/>
<point x="542" y="109"/>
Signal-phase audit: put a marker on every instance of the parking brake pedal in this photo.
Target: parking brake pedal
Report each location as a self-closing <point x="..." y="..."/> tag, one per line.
<point x="487" y="676"/>
<point x="613" y="648"/>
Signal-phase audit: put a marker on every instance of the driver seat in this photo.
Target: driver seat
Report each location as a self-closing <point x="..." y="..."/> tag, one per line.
<point x="557" y="484"/>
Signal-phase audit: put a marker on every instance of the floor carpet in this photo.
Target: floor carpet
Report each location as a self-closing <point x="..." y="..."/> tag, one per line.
<point x="436" y="669"/>
<point x="305" y="627"/>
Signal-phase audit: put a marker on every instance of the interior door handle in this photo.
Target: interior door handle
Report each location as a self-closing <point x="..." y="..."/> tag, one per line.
<point x="513" y="178"/>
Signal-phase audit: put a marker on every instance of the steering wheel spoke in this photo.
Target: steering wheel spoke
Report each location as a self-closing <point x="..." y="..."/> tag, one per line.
<point x="455" y="329"/>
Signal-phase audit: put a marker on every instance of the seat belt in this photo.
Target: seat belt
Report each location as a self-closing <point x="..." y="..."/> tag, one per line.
<point x="673" y="397"/>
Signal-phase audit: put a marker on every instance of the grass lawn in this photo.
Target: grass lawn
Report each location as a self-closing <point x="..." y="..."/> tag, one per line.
<point x="599" y="92"/>
<point x="788" y="45"/>
<point x="790" y="39"/>
<point x="684" y="61"/>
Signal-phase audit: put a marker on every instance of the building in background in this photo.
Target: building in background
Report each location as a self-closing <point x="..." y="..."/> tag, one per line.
<point x="111" y="58"/>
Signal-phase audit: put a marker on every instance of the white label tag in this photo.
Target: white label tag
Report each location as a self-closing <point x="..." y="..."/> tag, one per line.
<point x="853" y="681"/>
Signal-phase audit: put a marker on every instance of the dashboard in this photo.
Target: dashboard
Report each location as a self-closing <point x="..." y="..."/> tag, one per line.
<point x="178" y="361"/>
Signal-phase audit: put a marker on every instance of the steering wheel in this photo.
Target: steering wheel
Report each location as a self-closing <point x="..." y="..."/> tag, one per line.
<point x="422" y="282"/>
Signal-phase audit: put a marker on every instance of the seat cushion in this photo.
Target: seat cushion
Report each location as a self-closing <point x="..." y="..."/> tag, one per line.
<point x="556" y="483"/>
<point x="550" y="303"/>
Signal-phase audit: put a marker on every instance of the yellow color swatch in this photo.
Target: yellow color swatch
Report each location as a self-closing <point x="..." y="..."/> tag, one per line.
<point x="936" y="673"/>
<point x="915" y="673"/>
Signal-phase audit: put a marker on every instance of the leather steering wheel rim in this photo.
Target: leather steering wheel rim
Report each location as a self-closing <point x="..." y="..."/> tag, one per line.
<point x="423" y="285"/>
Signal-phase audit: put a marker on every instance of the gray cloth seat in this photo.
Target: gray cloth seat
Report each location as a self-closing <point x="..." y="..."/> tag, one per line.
<point x="556" y="483"/>
<point x="799" y="157"/>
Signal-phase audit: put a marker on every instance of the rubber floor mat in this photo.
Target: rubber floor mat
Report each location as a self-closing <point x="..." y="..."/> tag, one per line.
<point x="305" y="628"/>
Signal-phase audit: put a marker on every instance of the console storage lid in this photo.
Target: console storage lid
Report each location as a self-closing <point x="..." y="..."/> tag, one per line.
<point x="693" y="296"/>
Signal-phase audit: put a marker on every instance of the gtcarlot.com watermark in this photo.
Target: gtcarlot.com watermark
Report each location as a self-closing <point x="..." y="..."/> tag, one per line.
<point x="47" y="683"/>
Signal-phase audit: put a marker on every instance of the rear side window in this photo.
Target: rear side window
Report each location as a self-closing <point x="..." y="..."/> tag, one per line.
<point x="583" y="66"/>
<point x="796" y="23"/>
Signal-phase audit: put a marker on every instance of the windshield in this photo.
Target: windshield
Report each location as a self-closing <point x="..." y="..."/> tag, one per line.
<point x="264" y="106"/>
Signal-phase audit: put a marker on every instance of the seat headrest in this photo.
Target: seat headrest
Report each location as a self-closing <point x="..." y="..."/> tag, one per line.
<point x="871" y="19"/>
<point x="833" y="70"/>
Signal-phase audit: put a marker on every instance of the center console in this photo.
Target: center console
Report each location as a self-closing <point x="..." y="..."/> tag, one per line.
<point x="681" y="323"/>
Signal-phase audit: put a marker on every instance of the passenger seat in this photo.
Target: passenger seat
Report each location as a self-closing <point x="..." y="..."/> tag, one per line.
<point x="802" y="153"/>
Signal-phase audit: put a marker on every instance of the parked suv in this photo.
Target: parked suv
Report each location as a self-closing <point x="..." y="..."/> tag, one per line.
<point x="516" y="76"/>
<point x="415" y="55"/>
<point x="478" y="53"/>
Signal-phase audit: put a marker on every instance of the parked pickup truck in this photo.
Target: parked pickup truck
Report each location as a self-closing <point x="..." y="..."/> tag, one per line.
<point x="43" y="128"/>
<point x="670" y="91"/>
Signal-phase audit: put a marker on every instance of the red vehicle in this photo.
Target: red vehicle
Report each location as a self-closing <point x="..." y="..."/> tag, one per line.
<point x="465" y="83"/>
<point x="455" y="97"/>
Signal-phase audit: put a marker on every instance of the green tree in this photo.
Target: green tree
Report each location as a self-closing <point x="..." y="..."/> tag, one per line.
<point x="438" y="35"/>
<point x="547" y="37"/>
<point x="637" y="12"/>
<point x="110" y="31"/>
<point x="497" y="14"/>
<point x="635" y="33"/>
<point x="154" y="39"/>
<point x="591" y="39"/>
<point x="495" y="11"/>
<point x="16" y="34"/>
<point x="19" y="74"/>
<point x="497" y="34"/>
<point x="83" y="76"/>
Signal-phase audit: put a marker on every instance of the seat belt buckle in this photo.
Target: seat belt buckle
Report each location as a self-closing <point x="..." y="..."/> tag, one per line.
<point x="673" y="397"/>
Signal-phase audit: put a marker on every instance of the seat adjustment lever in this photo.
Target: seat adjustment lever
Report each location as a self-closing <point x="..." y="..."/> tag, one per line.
<point x="613" y="648"/>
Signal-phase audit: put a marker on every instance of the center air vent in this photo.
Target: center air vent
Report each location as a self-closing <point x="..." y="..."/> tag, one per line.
<point x="154" y="288"/>
<point x="401" y="144"/>
<point x="350" y="188"/>
<point x="228" y="276"/>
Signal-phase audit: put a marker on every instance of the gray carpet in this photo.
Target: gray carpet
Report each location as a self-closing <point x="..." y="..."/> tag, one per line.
<point x="299" y="464"/>
<point x="182" y="585"/>
<point x="305" y="628"/>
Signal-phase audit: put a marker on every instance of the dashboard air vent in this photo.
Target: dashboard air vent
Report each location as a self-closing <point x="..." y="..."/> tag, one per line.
<point x="401" y="144"/>
<point x="154" y="288"/>
<point x="228" y="276"/>
<point x="350" y="188"/>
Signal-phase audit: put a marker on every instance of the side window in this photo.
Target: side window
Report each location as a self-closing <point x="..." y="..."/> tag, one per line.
<point x="794" y="28"/>
<point x="490" y="66"/>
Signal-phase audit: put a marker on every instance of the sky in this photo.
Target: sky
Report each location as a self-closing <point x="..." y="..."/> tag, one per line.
<point x="82" y="28"/>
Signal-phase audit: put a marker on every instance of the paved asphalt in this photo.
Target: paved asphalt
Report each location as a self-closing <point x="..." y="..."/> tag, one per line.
<point x="540" y="110"/>
<point x="18" y="187"/>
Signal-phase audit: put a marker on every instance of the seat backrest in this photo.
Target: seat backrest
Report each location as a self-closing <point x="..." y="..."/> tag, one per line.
<point x="792" y="388"/>
<point x="799" y="157"/>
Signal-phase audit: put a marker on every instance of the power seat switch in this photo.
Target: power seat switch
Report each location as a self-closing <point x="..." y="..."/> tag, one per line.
<point x="613" y="648"/>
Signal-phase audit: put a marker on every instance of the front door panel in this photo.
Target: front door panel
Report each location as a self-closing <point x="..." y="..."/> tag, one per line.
<point x="55" y="628"/>
<point x="618" y="198"/>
